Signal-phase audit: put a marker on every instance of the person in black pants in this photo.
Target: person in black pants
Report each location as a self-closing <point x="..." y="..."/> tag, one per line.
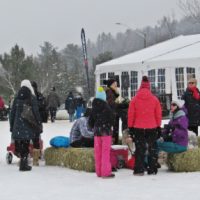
<point x="111" y="96"/>
<point x="145" y="140"/>
<point x="144" y="120"/>
<point x="81" y="135"/>
<point x="192" y="105"/>
<point x="20" y="127"/>
<point x="53" y="103"/>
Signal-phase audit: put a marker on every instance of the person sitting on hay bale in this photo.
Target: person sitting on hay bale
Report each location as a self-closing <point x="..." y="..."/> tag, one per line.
<point x="174" y="137"/>
<point x="81" y="135"/>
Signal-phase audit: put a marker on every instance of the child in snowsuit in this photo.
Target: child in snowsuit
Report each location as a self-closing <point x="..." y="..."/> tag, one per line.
<point x="101" y="120"/>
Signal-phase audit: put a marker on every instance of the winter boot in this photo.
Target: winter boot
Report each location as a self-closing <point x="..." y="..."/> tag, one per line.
<point x="109" y="176"/>
<point x="36" y="155"/>
<point x="24" y="165"/>
<point x="152" y="171"/>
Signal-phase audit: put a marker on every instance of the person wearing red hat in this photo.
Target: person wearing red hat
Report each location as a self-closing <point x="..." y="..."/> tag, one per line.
<point x="144" y="119"/>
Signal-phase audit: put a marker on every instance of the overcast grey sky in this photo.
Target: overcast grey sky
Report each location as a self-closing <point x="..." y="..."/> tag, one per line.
<point x="31" y="22"/>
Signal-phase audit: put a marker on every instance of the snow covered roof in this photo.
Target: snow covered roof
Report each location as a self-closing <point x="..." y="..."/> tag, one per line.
<point x="179" y="48"/>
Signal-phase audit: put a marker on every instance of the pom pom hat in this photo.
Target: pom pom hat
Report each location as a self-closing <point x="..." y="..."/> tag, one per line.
<point x="145" y="82"/>
<point x="100" y="94"/>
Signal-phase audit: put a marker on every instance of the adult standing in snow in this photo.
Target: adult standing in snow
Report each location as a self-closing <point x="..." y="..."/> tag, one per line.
<point x="22" y="130"/>
<point x="192" y="104"/>
<point x="111" y="96"/>
<point x="41" y="102"/>
<point x="70" y="106"/>
<point x="101" y="121"/>
<point x="53" y="103"/>
<point x="144" y="119"/>
<point x="79" y="105"/>
<point x="43" y="116"/>
<point x="81" y="135"/>
<point x="174" y="137"/>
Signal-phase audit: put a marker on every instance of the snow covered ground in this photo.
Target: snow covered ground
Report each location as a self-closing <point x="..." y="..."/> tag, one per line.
<point x="57" y="183"/>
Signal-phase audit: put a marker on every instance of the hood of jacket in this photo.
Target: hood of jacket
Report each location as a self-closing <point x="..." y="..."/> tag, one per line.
<point x="178" y="114"/>
<point x="144" y="94"/>
<point x="24" y="93"/>
<point x="98" y="104"/>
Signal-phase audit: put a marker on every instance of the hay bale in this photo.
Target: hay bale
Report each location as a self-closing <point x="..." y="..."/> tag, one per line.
<point x="54" y="156"/>
<point x="81" y="159"/>
<point x="188" y="161"/>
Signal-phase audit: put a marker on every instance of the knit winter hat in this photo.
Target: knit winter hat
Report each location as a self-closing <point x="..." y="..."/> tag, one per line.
<point x="109" y="82"/>
<point x="192" y="80"/>
<point x="100" y="94"/>
<point x="178" y="102"/>
<point x="27" y="83"/>
<point x="145" y="82"/>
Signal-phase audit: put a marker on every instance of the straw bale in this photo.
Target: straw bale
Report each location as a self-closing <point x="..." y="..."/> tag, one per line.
<point x="188" y="161"/>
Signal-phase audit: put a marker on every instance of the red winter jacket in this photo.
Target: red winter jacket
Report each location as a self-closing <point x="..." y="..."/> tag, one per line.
<point x="1" y="103"/>
<point x="144" y="110"/>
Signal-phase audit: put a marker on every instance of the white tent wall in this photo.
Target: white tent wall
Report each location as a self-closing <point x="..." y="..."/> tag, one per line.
<point x="180" y="52"/>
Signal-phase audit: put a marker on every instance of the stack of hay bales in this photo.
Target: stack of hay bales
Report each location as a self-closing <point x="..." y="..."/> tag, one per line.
<point x="188" y="161"/>
<point x="74" y="158"/>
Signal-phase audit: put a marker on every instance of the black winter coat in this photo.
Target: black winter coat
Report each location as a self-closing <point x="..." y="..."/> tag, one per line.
<point x="70" y="104"/>
<point x="101" y="118"/>
<point x="42" y="104"/>
<point x="111" y="96"/>
<point x="193" y="108"/>
<point x="20" y="128"/>
<point x="79" y="101"/>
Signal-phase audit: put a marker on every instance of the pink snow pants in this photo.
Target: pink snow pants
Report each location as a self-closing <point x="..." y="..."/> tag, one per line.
<point x="102" y="146"/>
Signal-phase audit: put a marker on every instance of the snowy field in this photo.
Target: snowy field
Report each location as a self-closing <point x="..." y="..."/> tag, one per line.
<point x="56" y="183"/>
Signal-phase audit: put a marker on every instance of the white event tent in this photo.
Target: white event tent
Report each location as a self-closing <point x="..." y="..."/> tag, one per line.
<point x="168" y="64"/>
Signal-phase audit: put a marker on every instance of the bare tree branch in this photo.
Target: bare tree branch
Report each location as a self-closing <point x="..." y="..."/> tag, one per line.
<point x="5" y="75"/>
<point x="191" y="8"/>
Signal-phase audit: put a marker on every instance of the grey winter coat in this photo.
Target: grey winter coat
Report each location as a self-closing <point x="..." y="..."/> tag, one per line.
<point x="53" y="100"/>
<point x="20" y="128"/>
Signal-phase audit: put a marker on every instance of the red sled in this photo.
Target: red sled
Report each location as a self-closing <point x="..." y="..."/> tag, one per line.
<point x="11" y="150"/>
<point x="131" y="162"/>
<point x="119" y="156"/>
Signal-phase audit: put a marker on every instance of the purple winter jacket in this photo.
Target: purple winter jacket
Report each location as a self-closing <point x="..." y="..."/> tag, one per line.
<point x="179" y="124"/>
